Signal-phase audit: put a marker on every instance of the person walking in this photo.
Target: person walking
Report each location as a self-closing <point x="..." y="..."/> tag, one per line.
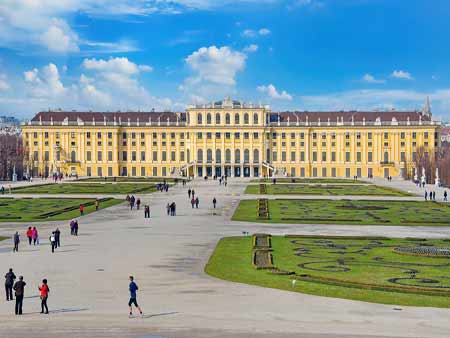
<point x="75" y="228"/>
<point x="19" y="288"/>
<point x="16" y="240"/>
<point x="196" y="202"/>
<point x="133" y="297"/>
<point x="97" y="204"/>
<point x="189" y="193"/>
<point x="168" y="209"/>
<point x="445" y="195"/>
<point x="30" y="235"/>
<point x="193" y="193"/>
<point x="9" y="282"/>
<point x="146" y="211"/>
<point x="81" y="210"/>
<point x="192" y="202"/>
<point x="138" y="203"/>
<point x="214" y="202"/>
<point x="132" y="200"/>
<point x="35" y="236"/>
<point x="434" y="195"/>
<point x="44" y="290"/>
<point x="426" y="195"/>
<point x="52" y="239"/>
<point x="57" y="238"/>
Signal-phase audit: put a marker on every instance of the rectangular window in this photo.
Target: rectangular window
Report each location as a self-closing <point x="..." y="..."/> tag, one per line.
<point x="110" y="172"/>
<point x="314" y="173"/>
<point x="347" y="156"/>
<point x="46" y="156"/>
<point x="283" y="156"/>
<point x="208" y="136"/>
<point x="274" y="156"/>
<point x="314" y="156"/>
<point x="236" y="135"/>
<point x="333" y="172"/>
<point x="324" y="172"/>
<point x="133" y="171"/>
<point x="88" y="156"/>
<point x="110" y="156"/>
<point x="302" y="156"/>
<point x="255" y="136"/>
<point x="227" y="136"/>
<point x="358" y="156"/>
<point x="99" y="135"/>
<point x="302" y="172"/>
<point x="155" y="171"/>
<point x="369" y="136"/>
<point x="109" y="135"/>
<point x="302" y="136"/>
<point x="324" y="156"/>
<point x="99" y="172"/>
<point x="425" y="135"/>
<point x="414" y="135"/>
<point x="292" y="156"/>
<point x="133" y="156"/>
<point x="333" y="156"/>
<point x="199" y="136"/>
<point x="88" y="134"/>
<point x="246" y="136"/>
<point x="402" y="135"/>
<point x="143" y="156"/>
<point x="164" y="156"/>
<point x="142" y="171"/>
<point x="402" y="156"/>
<point x="172" y="156"/>
<point x="347" y="172"/>
<point x="182" y="156"/>
<point x="164" y="171"/>
<point x="155" y="156"/>
<point x="386" y="136"/>
<point x="99" y="156"/>
<point x="369" y="156"/>
<point x="124" y="156"/>
<point x="217" y="135"/>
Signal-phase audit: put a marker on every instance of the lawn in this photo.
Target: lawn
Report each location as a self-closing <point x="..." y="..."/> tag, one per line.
<point x="411" y="213"/>
<point x="325" y="189"/>
<point x="130" y="179"/>
<point x="365" y="269"/>
<point x="86" y="188"/>
<point x="310" y="180"/>
<point x="47" y="209"/>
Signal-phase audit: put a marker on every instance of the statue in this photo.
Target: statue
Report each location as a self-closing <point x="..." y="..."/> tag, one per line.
<point x="416" y="177"/>
<point x="437" y="180"/>
<point x="423" y="178"/>
<point x="14" y="176"/>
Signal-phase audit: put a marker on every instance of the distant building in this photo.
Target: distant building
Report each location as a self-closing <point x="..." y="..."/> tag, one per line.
<point x="9" y="125"/>
<point x="445" y="134"/>
<point x="229" y="138"/>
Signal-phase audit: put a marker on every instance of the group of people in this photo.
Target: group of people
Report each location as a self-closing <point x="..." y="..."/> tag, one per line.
<point x="19" y="291"/>
<point x="74" y="227"/>
<point x="32" y="235"/>
<point x="431" y="196"/>
<point x="56" y="177"/>
<point x="133" y="201"/>
<point x="54" y="239"/>
<point x="163" y="187"/>
<point x="171" y="209"/>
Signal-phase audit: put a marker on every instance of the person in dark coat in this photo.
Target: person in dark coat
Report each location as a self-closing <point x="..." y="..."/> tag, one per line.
<point x="19" y="288"/>
<point x="9" y="282"/>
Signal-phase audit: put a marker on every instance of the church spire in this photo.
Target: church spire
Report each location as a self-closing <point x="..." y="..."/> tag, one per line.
<point x="427" y="108"/>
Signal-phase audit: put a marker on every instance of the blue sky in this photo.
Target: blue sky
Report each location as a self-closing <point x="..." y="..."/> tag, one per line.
<point x="291" y="54"/>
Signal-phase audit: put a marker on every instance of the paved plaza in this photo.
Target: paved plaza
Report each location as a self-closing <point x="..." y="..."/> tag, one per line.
<point x="88" y="277"/>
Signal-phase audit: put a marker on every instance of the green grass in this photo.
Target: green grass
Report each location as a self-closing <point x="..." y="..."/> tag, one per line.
<point x="86" y="188"/>
<point x="367" y="261"/>
<point x="410" y="213"/>
<point x="129" y="179"/>
<point x="310" y="180"/>
<point x="326" y="190"/>
<point x="47" y="209"/>
<point x="3" y="238"/>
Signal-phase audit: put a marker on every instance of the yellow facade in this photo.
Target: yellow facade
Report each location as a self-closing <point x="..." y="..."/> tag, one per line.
<point x="227" y="138"/>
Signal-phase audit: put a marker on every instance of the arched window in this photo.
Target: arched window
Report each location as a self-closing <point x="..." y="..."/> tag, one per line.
<point x="208" y="118"/>
<point x="218" y="156"/>
<point x="255" y="156"/>
<point x="73" y="156"/>
<point x="237" y="156"/>
<point x="255" y="118"/>
<point x="246" y="119"/>
<point x="209" y="155"/>
<point x="236" y="118"/>
<point x="227" y="118"/>
<point x="218" y="118"/>
<point x="227" y="155"/>
<point x="199" y="155"/>
<point x="199" y="118"/>
<point x="386" y="156"/>
<point x="246" y="156"/>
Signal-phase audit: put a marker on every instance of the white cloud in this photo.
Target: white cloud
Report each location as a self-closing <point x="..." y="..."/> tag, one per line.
<point x="44" y="83"/>
<point x="272" y="92"/>
<point x="371" y="79"/>
<point x="115" y="65"/>
<point x="59" y="38"/>
<point x="401" y="74"/>
<point x="251" y="33"/>
<point x="250" y="48"/>
<point x="216" y="65"/>
<point x="264" y="31"/>
<point x="4" y="85"/>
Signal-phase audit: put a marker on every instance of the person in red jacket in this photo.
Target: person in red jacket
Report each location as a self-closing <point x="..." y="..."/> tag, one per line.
<point x="81" y="209"/>
<point x="44" y="289"/>
<point x="29" y="234"/>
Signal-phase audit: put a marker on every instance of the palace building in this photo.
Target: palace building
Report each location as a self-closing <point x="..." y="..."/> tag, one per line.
<point x="228" y="138"/>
